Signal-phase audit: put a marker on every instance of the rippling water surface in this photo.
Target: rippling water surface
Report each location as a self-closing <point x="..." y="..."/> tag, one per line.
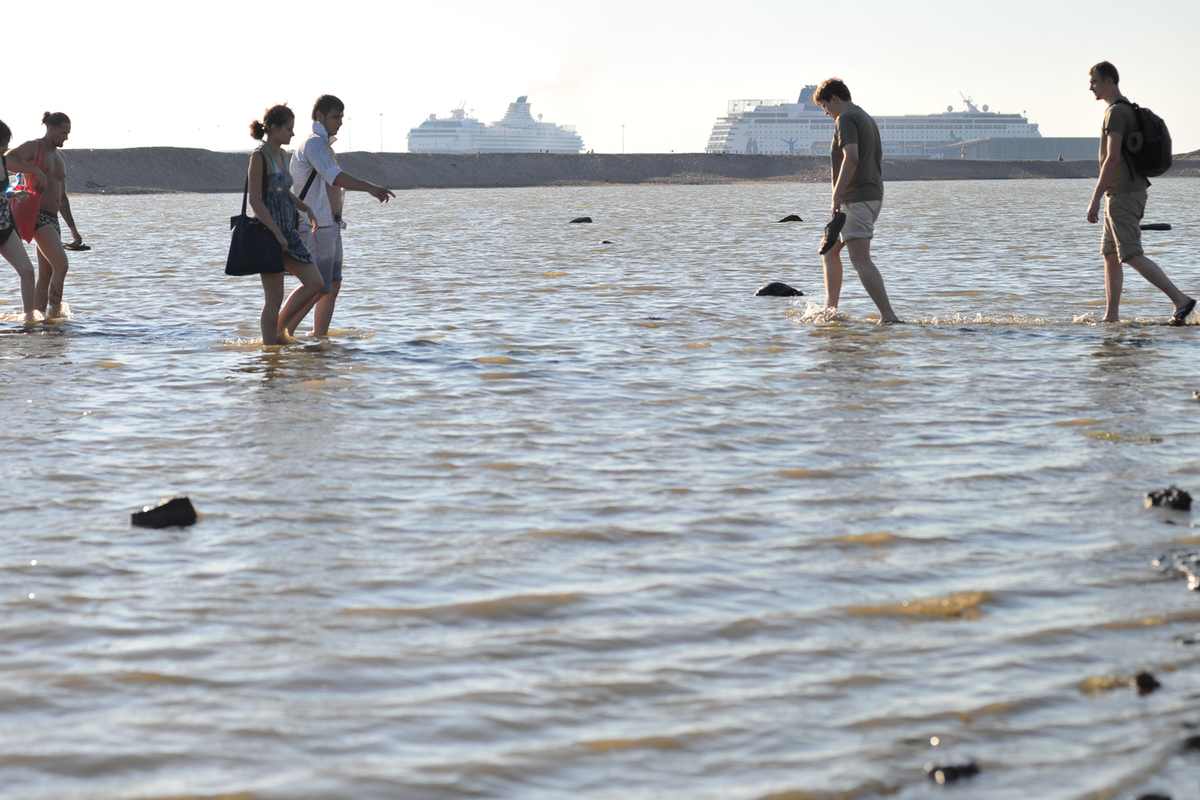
<point x="554" y="518"/>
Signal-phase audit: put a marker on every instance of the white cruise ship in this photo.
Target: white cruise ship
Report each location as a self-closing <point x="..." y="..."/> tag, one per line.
<point x="801" y="128"/>
<point x="518" y="132"/>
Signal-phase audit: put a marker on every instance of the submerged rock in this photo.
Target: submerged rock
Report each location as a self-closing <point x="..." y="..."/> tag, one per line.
<point x="168" y="512"/>
<point x="792" y="218"/>
<point x="1170" y="497"/>
<point x="950" y="774"/>
<point x="777" y="289"/>
<point x="582" y="219"/>
<point x="1145" y="683"/>
<point x="1180" y="566"/>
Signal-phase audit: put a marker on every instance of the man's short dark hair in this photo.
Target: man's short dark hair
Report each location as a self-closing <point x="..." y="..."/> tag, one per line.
<point x="831" y="88"/>
<point x="1105" y="70"/>
<point x="326" y="103"/>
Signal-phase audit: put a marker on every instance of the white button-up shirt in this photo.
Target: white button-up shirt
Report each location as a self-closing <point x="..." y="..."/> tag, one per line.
<point x="317" y="153"/>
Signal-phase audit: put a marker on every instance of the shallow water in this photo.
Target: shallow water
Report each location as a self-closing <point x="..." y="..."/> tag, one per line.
<point x="549" y="517"/>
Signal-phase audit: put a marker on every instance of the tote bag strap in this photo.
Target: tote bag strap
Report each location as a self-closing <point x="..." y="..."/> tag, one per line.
<point x="246" y="188"/>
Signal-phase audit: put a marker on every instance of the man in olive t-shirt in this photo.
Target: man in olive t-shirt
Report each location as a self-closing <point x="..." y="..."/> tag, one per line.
<point x="857" y="172"/>
<point x="1125" y="192"/>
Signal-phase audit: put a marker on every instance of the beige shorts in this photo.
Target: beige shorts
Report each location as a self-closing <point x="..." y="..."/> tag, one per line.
<point x="1122" y="225"/>
<point x="860" y="219"/>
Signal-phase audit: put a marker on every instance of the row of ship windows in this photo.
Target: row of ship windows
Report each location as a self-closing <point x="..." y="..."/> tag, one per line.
<point x="908" y="127"/>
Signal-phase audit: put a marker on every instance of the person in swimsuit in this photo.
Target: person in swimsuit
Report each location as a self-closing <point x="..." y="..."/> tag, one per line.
<point x="10" y="244"/>
<point x="276" y="209"/>
<point x="41" y="159"/>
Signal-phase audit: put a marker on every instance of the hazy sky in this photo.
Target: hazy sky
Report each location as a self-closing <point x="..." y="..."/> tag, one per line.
<point x="137" y="74"/>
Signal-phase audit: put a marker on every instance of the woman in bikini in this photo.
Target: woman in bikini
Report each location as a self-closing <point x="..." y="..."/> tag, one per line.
<point x="10" y="243"/>
<point x="276" y="209"/>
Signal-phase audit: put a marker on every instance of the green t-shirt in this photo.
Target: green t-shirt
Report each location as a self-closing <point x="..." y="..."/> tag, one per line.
<point x="1120" y="118"/>
<point x="855" y="126"/>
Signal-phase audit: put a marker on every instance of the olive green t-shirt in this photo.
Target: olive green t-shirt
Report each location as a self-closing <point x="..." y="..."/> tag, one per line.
<point x="855" y="126"/>
<point x="1121" y="118"/>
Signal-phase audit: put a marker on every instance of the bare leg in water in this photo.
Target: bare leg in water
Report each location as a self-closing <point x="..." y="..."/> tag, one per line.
<point x="52" y="271"/>
<point x="868" y="273"/>
<point x="14" y="253"/>
<point x="301" y="297"/>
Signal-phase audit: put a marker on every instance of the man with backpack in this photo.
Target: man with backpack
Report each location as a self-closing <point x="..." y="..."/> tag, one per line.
<point x="1128" y="153"/>
<point x="314" y="161"/>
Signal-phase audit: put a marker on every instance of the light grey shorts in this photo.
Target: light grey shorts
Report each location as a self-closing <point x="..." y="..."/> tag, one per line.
<point x="1122" y="225"/>
<point x="860" y="219"/>
<point x="326" y="248"/>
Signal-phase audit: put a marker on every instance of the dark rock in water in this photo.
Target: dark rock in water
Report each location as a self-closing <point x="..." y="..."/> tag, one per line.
<point x="1171" y="497"/>
<point x="950" y="774"/>
<point x="1154" y="797"/>
<point x="172" y="511"/>
<point x="1145" y="683"/>
<point x="606" y="241"/>
<point x="792" y="218"/>
<point x="1191" y="743"/>
<point x="777" y="289"/>
<point x="582" y="219"/>
<point x="1156" y="226"/>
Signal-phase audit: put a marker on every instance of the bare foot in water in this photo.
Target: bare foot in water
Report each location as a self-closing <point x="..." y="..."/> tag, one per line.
<point x="283" y="337"/>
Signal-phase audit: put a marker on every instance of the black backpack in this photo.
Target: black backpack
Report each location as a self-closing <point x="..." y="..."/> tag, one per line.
<point x="1149" y="148"/>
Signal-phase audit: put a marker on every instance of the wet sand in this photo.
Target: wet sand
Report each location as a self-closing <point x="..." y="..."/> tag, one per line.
<point x="172" y="169"/>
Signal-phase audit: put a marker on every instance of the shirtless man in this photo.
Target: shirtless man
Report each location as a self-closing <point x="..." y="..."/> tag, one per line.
<point x="41" y="160"/>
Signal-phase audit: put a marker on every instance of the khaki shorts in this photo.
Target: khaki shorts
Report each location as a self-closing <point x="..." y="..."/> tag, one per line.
<point x="1122" y="221"/>
<point x="860" y="219"/>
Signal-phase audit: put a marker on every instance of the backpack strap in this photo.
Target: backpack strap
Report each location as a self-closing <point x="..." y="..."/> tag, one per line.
<point x="308" y="183"/>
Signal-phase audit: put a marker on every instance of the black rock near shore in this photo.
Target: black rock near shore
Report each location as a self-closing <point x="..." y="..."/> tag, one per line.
<point x="177" y="169"/>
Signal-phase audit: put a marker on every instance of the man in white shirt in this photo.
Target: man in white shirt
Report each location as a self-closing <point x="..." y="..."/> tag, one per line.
<point x="322" y="184"/>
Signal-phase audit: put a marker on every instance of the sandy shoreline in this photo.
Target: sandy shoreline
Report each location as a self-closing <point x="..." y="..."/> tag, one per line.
<point x="174" y="169"/>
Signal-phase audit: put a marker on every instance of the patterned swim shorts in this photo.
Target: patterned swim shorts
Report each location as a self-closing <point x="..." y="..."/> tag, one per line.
<point x="46" y="218"/>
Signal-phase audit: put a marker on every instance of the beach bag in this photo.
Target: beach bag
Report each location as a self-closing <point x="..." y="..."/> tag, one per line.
<point x="253" y="249"/>
<point x="25" y="210"/>
<point x="1148" y="148"/>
